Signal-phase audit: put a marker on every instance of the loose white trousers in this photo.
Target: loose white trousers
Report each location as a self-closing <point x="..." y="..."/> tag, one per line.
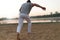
<point x="20" y="22"/>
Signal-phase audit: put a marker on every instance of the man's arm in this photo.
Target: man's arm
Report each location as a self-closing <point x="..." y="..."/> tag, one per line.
<point x="39" y="6"/>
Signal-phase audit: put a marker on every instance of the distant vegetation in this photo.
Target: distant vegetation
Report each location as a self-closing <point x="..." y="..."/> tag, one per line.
<point x="56" y="14"/>
<point x="7" y="19"/>
<point x="2" y="19"/>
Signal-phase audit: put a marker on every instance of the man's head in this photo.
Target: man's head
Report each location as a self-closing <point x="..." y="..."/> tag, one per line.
<point x="28" y="1"/>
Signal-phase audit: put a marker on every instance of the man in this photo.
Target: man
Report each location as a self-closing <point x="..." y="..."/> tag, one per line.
<point x="24" y="14"/>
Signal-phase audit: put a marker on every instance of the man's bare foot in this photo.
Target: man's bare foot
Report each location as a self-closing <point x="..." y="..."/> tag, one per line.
<point x="29" y="34"/>
<point x="18" y="38"/>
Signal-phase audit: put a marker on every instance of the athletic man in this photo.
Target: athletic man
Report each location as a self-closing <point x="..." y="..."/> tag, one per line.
<point x="24" y="14"/>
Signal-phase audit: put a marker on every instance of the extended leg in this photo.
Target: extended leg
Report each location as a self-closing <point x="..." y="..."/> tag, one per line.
<point x="19" y="27"/>
<point x="29" y="24"/>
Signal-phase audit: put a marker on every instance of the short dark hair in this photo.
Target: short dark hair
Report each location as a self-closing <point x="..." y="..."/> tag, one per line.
<point x="28" y="1"/>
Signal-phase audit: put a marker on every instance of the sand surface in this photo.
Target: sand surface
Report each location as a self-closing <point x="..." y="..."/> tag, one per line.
<point x="40" y="31"/>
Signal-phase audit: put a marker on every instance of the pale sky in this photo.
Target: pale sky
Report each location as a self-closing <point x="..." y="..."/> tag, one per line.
<point x="10" y="8"/>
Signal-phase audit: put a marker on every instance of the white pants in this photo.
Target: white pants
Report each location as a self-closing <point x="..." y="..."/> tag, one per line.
<point x="20" y="22"/>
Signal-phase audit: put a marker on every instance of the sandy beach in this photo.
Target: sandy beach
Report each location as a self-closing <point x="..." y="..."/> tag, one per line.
<point x="40" y="31"/>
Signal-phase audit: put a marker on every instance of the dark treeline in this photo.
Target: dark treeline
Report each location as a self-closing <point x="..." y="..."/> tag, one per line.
<point x="56" y="14"/>
<point x="1" y="19"/>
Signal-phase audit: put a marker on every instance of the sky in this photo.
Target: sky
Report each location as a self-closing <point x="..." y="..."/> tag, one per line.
<point x="10" y="8"/>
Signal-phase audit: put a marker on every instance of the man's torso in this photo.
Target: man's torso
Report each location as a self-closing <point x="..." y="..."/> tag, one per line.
<point x="26" y="8"/>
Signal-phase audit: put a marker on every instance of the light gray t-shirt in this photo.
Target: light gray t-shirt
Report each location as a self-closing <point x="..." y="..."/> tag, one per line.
<point x="26" y="8"/>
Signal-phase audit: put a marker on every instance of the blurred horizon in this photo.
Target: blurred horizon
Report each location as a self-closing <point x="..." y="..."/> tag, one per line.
<point x="53" y="17"/>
